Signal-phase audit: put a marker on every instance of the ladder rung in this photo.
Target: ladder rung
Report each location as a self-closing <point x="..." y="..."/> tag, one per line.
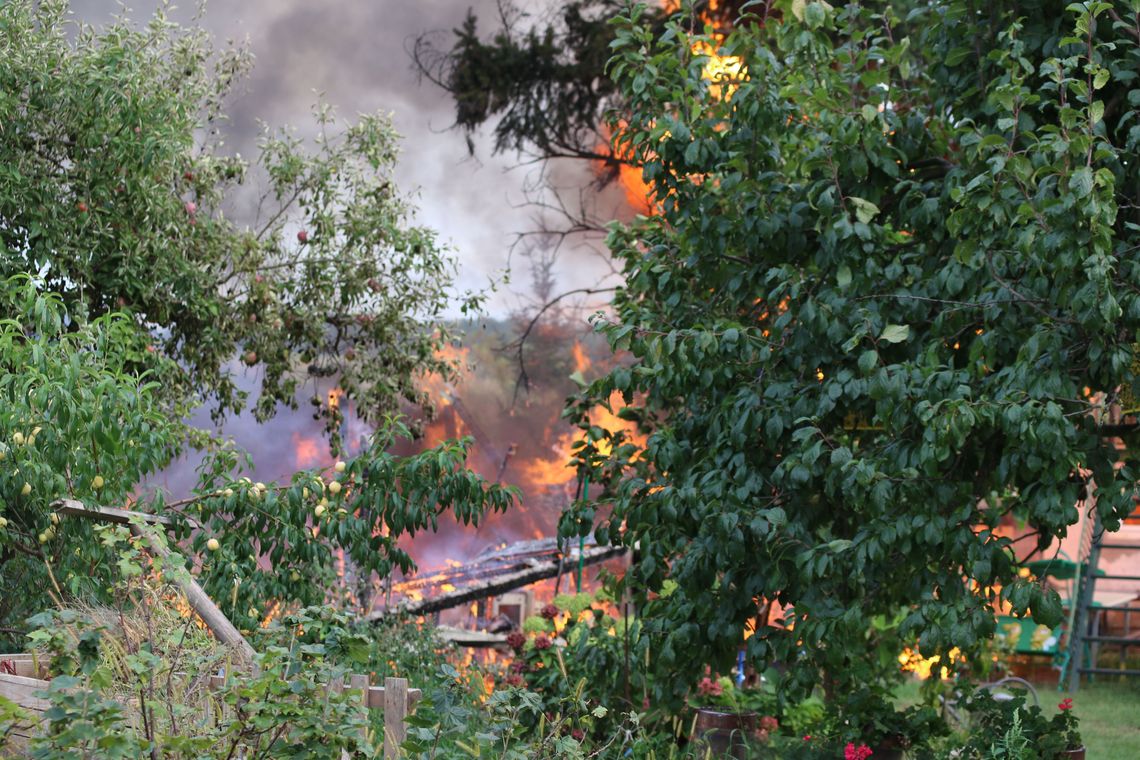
<point x="1114" y="608"/>
<point x="1120" y="546"/>
<point x="1118" y="577"/>
<point x="1110" y="672"/>
<point x="1132" y="640"/>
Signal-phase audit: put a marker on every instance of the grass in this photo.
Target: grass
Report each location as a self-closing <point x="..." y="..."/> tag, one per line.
<point x="1108" y="708"/>
<point x="1109" y="713"/>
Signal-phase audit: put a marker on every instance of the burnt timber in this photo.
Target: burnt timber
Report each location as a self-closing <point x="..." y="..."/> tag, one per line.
<point x="492" y="573"/>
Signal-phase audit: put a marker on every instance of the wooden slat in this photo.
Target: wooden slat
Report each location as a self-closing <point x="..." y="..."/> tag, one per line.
<point x="395" y="711"/>
<point x="19" y="689"/>
<point x="376" y="697"/>
<point x="75" y="508"/>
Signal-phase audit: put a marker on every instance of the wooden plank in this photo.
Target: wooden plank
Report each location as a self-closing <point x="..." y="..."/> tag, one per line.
<point x="26" y="664"/>
<point x="215" y="620"/>
<point x="19" y="689"/>
<point x="538" y="571"/>
<point x="75" y="508"/>
<point x="359" y="682"/>
<point x="395" y="711"/>
<point x="376" y="697"/>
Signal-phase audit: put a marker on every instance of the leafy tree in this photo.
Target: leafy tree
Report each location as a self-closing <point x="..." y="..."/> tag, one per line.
<point x="76" y="423"/>
<point x="116" y="188"/>
<point x="888" y="306"/>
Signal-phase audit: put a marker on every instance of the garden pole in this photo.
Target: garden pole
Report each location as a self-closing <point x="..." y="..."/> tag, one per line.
<point x="582" y="539"/>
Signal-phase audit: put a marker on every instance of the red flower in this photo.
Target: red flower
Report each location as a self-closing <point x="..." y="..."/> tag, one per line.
<point x="518" y="666"/>
<point x="514" y="679"/>
<point x="549" y="612"/>
<point x="769" y="724"/>
<point x="516" y="640"/>
<point x="807" y="737"/>
<point x="851" y="752"/>
<point x="1066" y="704"/>
<point x="542" y="642"/>
<point x="578" y="734"/>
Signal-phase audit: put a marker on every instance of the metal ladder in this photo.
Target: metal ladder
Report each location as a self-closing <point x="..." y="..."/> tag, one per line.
<point x="1084" y="624"/>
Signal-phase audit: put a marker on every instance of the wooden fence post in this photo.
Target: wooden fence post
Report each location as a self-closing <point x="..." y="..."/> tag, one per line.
<point x="357" y="681"/>
<point x="395" y="710"/>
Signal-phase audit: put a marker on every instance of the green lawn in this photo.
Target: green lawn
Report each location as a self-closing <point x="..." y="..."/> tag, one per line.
<point x="1108" y="708"/>
<point x="1110" y="716"/>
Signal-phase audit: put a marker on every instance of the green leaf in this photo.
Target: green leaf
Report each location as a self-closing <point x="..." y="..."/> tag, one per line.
<point x="895" y="333"/>
<point x="1081" y="183"/>
<point x="843" y="276"/>
<point x="865" y="211"/>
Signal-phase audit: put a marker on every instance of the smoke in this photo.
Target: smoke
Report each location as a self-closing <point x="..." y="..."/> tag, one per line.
<point x="354" y="56"/>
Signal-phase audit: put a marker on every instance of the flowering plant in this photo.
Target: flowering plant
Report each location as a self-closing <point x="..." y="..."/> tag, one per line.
<point x="1050" y="737"/>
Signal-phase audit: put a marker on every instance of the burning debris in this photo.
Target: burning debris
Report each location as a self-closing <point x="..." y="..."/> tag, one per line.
<point x="491" y="573"/>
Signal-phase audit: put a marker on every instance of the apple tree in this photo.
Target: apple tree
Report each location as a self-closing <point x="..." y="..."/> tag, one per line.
<point x="116" y="188"/>
<point x="77" y="422"/>
<point x="886" y="308"/>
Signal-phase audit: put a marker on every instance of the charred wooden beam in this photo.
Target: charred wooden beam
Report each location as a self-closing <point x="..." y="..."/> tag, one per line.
<point x="538" y="570"/>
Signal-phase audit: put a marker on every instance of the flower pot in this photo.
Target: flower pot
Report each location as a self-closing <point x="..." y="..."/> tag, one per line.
<point x="726" y="734"/>
<point x="889" y="752"/>
<point x="1074" y="754"/>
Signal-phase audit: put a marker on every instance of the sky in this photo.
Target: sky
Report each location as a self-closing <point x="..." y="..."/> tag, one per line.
<point x="354" y="54"/>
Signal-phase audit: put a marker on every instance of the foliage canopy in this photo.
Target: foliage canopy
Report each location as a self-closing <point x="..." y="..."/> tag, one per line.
<point x="887" y="303"/>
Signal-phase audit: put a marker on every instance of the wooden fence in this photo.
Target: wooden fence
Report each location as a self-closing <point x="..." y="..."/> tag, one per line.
<point x="22" y="675"/>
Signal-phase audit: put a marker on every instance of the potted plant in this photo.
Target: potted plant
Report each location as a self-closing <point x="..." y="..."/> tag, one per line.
<point x="868" y="717"/>
<point x="993" y="722"/>
<point x="730" y="719"/>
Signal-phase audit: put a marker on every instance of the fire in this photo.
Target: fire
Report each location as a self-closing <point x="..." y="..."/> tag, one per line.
<point x="923" y="667"/>
<point x="307" y="451"/>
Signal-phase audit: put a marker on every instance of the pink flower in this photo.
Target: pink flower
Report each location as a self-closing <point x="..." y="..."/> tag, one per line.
<point x="1066" y="704"/>
<point x="769" y="724"/>
<point x="851" y="752"/>
<point x="709" y="688"/>
<point x="807" y="737"/>
<point x="191" y="208"/>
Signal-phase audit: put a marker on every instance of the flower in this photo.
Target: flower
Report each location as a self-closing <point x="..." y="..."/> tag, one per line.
<point x="578" y="734"/>
<point x="542" y="642"/>
<point x="807" y="737"/>
<point x="709" y="688"/>
<point x="549" y="612"/>
<point x="516" y="640"/>
<point x="769" y="724"/>
<point x="514" y="679"/>
<point x="851" y="752"/>
<point x="1066" y="704"/>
